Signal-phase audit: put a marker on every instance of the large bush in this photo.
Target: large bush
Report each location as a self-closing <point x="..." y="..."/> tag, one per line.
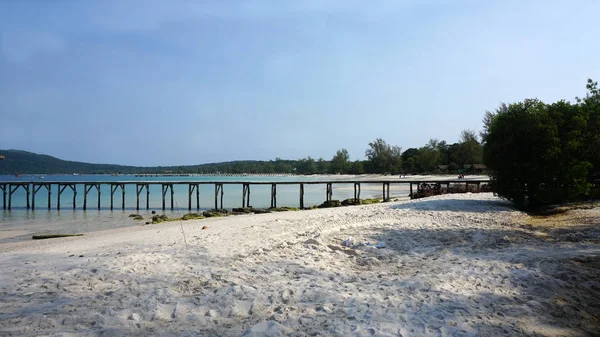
<point x="539" y="154"/>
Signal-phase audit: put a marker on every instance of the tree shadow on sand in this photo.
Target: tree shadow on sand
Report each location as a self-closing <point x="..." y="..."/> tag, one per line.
<point x="540" y="281"/>
<point x="455" y="205"/>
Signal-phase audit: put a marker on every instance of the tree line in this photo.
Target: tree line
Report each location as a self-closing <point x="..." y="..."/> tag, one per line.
<point x="380" y="158"/>
<point x="539" y="154"/>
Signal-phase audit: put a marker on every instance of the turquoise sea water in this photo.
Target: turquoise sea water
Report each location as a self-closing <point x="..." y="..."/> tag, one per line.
<point x="68" y="220"/>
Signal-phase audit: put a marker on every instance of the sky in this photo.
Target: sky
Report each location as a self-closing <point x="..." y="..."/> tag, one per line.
<point x="154" y="82"/>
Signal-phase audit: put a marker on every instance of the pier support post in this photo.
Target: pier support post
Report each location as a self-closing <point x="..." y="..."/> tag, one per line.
<point x="98" y="188"/>
<point x="218" y="188"/>
<point x="165" y="189"/>
<point x="411" y="191"/>
<point x="329" y="192"/>
<point x="138" y="189"/>
<point x="12" y="190"/>
<point x="61" y="189"/>
<point x="197" y="197"/>
<point x="49" y="188"/>
<point x="113" y="189"/>
<point x="171" y="187"/>
<point x="301" y="196"/>
<point x="3" y="188"/>
<point x="35" y="189"/>
<point x="191" y="188"/>
<point x="164" y="192"/>
<point x="246" y="195"/>
<point x="147" y="196"/>
<point x="74" y="188"/>
<point x="86" y="189"/>
<point x="386" y="191"/>
<point x="273" y="195"/>
<point x="356" y="192"/>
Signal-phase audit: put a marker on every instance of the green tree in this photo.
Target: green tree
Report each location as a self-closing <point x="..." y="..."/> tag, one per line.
<point x="323" y="166"/>
<point x="339" y="162"/>
<point x="537" y="153"/>
<point x="469" y="149"/>
<point x="428" y="155"/>
<point x="590" y="106"/>
<point x="409" y="161"/>
<point x="357" y="167"/>
<point x="383" y="157"/>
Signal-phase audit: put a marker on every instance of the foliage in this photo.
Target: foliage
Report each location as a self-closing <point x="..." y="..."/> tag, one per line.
<point x="353" y="202"/>
<point x="429" y="190"/>
<point x="339" y="162"/>
<point x="330" y="203"/>
<point x="323" y="166"/>
<point x="192" y="216"/>
<point x="540" y="154"/>
<point x="384" y="158"/>
<point x="357" y="167"/>
<point x="428" y="155"/>
<point x="409" y="160"/>
<point x="469" y="149"/>
<point x="381" y="158"/>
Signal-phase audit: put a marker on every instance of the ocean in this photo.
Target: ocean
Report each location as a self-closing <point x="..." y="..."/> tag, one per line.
<point x="19" y="222"/>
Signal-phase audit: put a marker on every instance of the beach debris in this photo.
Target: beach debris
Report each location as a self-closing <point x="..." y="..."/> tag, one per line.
<point x="204" y="227"/>
<point x="153" y="212"/>
<point x="192" y="216"/>
<point x="283" y="209"/>
<point x="138" y="217"/>
<point x="261" y="211"/>
<point x="348" y="242"/>
<point x="159" y="218"/>
<point x="380" y="244"/>
<point x="133" y="215"/>
<point x="330" y="203"/>
<point x="353" y="202"/>
<point x="242" y="210"/>
<point x="53" y="236"/>
<point x="148" y="222"/>
<point x="216" y="213"/>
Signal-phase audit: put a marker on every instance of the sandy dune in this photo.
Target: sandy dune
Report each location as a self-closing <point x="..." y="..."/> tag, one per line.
<point x="453" y="265"/>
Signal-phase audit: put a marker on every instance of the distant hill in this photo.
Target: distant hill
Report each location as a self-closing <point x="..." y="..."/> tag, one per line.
<point x="23" y="162"/>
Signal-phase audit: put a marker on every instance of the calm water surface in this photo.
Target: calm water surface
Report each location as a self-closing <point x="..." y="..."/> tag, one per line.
<point x="19" y="223"/>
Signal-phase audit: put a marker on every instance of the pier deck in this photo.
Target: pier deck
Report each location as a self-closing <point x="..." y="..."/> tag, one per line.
<point x="31" y="188"/>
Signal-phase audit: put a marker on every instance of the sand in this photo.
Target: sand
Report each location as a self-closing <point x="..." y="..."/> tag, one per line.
<point x="452" y="265"/>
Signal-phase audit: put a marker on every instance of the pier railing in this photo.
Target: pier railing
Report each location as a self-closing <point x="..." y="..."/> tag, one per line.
<point x="32" y="188"/>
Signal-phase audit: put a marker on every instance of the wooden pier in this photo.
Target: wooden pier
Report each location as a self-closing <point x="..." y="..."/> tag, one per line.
<point x="31" y="188"/>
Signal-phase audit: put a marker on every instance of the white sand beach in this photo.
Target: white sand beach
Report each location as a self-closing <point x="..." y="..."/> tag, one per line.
<point x="452" y="265"/>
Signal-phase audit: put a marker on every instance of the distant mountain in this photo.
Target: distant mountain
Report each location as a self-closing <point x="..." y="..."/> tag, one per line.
<point x="23" y="162"/>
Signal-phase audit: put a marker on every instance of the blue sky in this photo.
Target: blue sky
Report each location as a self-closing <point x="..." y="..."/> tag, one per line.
<point x="158" y="82"/>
